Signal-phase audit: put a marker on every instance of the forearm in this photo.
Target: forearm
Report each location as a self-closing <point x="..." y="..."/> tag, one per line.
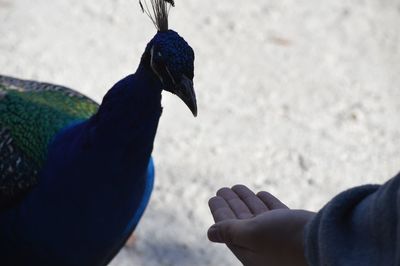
<point x="358" y="227"/>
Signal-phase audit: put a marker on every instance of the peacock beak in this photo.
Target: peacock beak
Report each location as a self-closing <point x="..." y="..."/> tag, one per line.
<point x="184" y="90"/>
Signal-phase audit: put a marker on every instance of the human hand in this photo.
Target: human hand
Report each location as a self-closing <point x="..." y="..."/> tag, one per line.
<point x="258" y="229"/>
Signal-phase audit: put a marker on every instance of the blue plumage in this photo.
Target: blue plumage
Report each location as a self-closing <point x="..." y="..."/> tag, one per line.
<point x="98" y="174"/>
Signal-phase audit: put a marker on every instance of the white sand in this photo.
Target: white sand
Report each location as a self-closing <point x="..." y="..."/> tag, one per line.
<point x="300" y="98"/>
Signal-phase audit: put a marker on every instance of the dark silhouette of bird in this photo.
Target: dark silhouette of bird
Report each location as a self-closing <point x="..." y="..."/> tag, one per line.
<point x="75" y="176"/>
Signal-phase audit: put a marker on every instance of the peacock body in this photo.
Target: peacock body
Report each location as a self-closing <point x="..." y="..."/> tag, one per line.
<point x="75" y="176"/>
<point x="31" y="114"/>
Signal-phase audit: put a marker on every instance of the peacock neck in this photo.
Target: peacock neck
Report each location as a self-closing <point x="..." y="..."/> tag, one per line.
<point x="131" y="109"/>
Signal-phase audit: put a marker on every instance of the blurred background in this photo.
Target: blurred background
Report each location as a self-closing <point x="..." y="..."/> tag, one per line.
<point x="299" y="98"/>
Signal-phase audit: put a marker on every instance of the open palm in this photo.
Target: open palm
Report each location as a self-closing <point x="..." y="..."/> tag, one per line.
<point x="258" y="229"/>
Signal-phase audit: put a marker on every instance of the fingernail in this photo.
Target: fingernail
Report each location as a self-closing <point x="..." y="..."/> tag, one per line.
<point x="213" y="234"/>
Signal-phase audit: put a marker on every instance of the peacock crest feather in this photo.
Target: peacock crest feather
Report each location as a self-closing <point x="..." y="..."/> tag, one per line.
<point x="158" y="13"/>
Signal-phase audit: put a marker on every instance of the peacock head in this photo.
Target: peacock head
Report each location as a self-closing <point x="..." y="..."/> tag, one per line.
<point x="170" y="56"/>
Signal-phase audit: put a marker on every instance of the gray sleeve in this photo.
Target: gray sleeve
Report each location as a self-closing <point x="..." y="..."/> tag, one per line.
<point x="360" y="226"/>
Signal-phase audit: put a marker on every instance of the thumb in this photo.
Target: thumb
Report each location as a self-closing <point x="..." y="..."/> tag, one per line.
<point x="232" y="232"/>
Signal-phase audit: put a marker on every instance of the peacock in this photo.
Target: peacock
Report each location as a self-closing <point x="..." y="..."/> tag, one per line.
<point x="75" y="176"/>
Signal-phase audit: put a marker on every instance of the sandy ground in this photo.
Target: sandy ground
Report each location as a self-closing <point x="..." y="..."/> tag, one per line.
<point x="300" y="98"/>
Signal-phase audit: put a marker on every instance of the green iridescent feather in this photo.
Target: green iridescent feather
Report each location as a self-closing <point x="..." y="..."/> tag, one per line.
<point x="31" y="114"/>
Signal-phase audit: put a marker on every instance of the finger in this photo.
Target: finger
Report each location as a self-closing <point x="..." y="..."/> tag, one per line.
<point x="237" y="205"/>
<point x="271" y="202"/>
<point x="231" y="232"/>
<point x="254" y="203"/>
<point x="220" y="209"/>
